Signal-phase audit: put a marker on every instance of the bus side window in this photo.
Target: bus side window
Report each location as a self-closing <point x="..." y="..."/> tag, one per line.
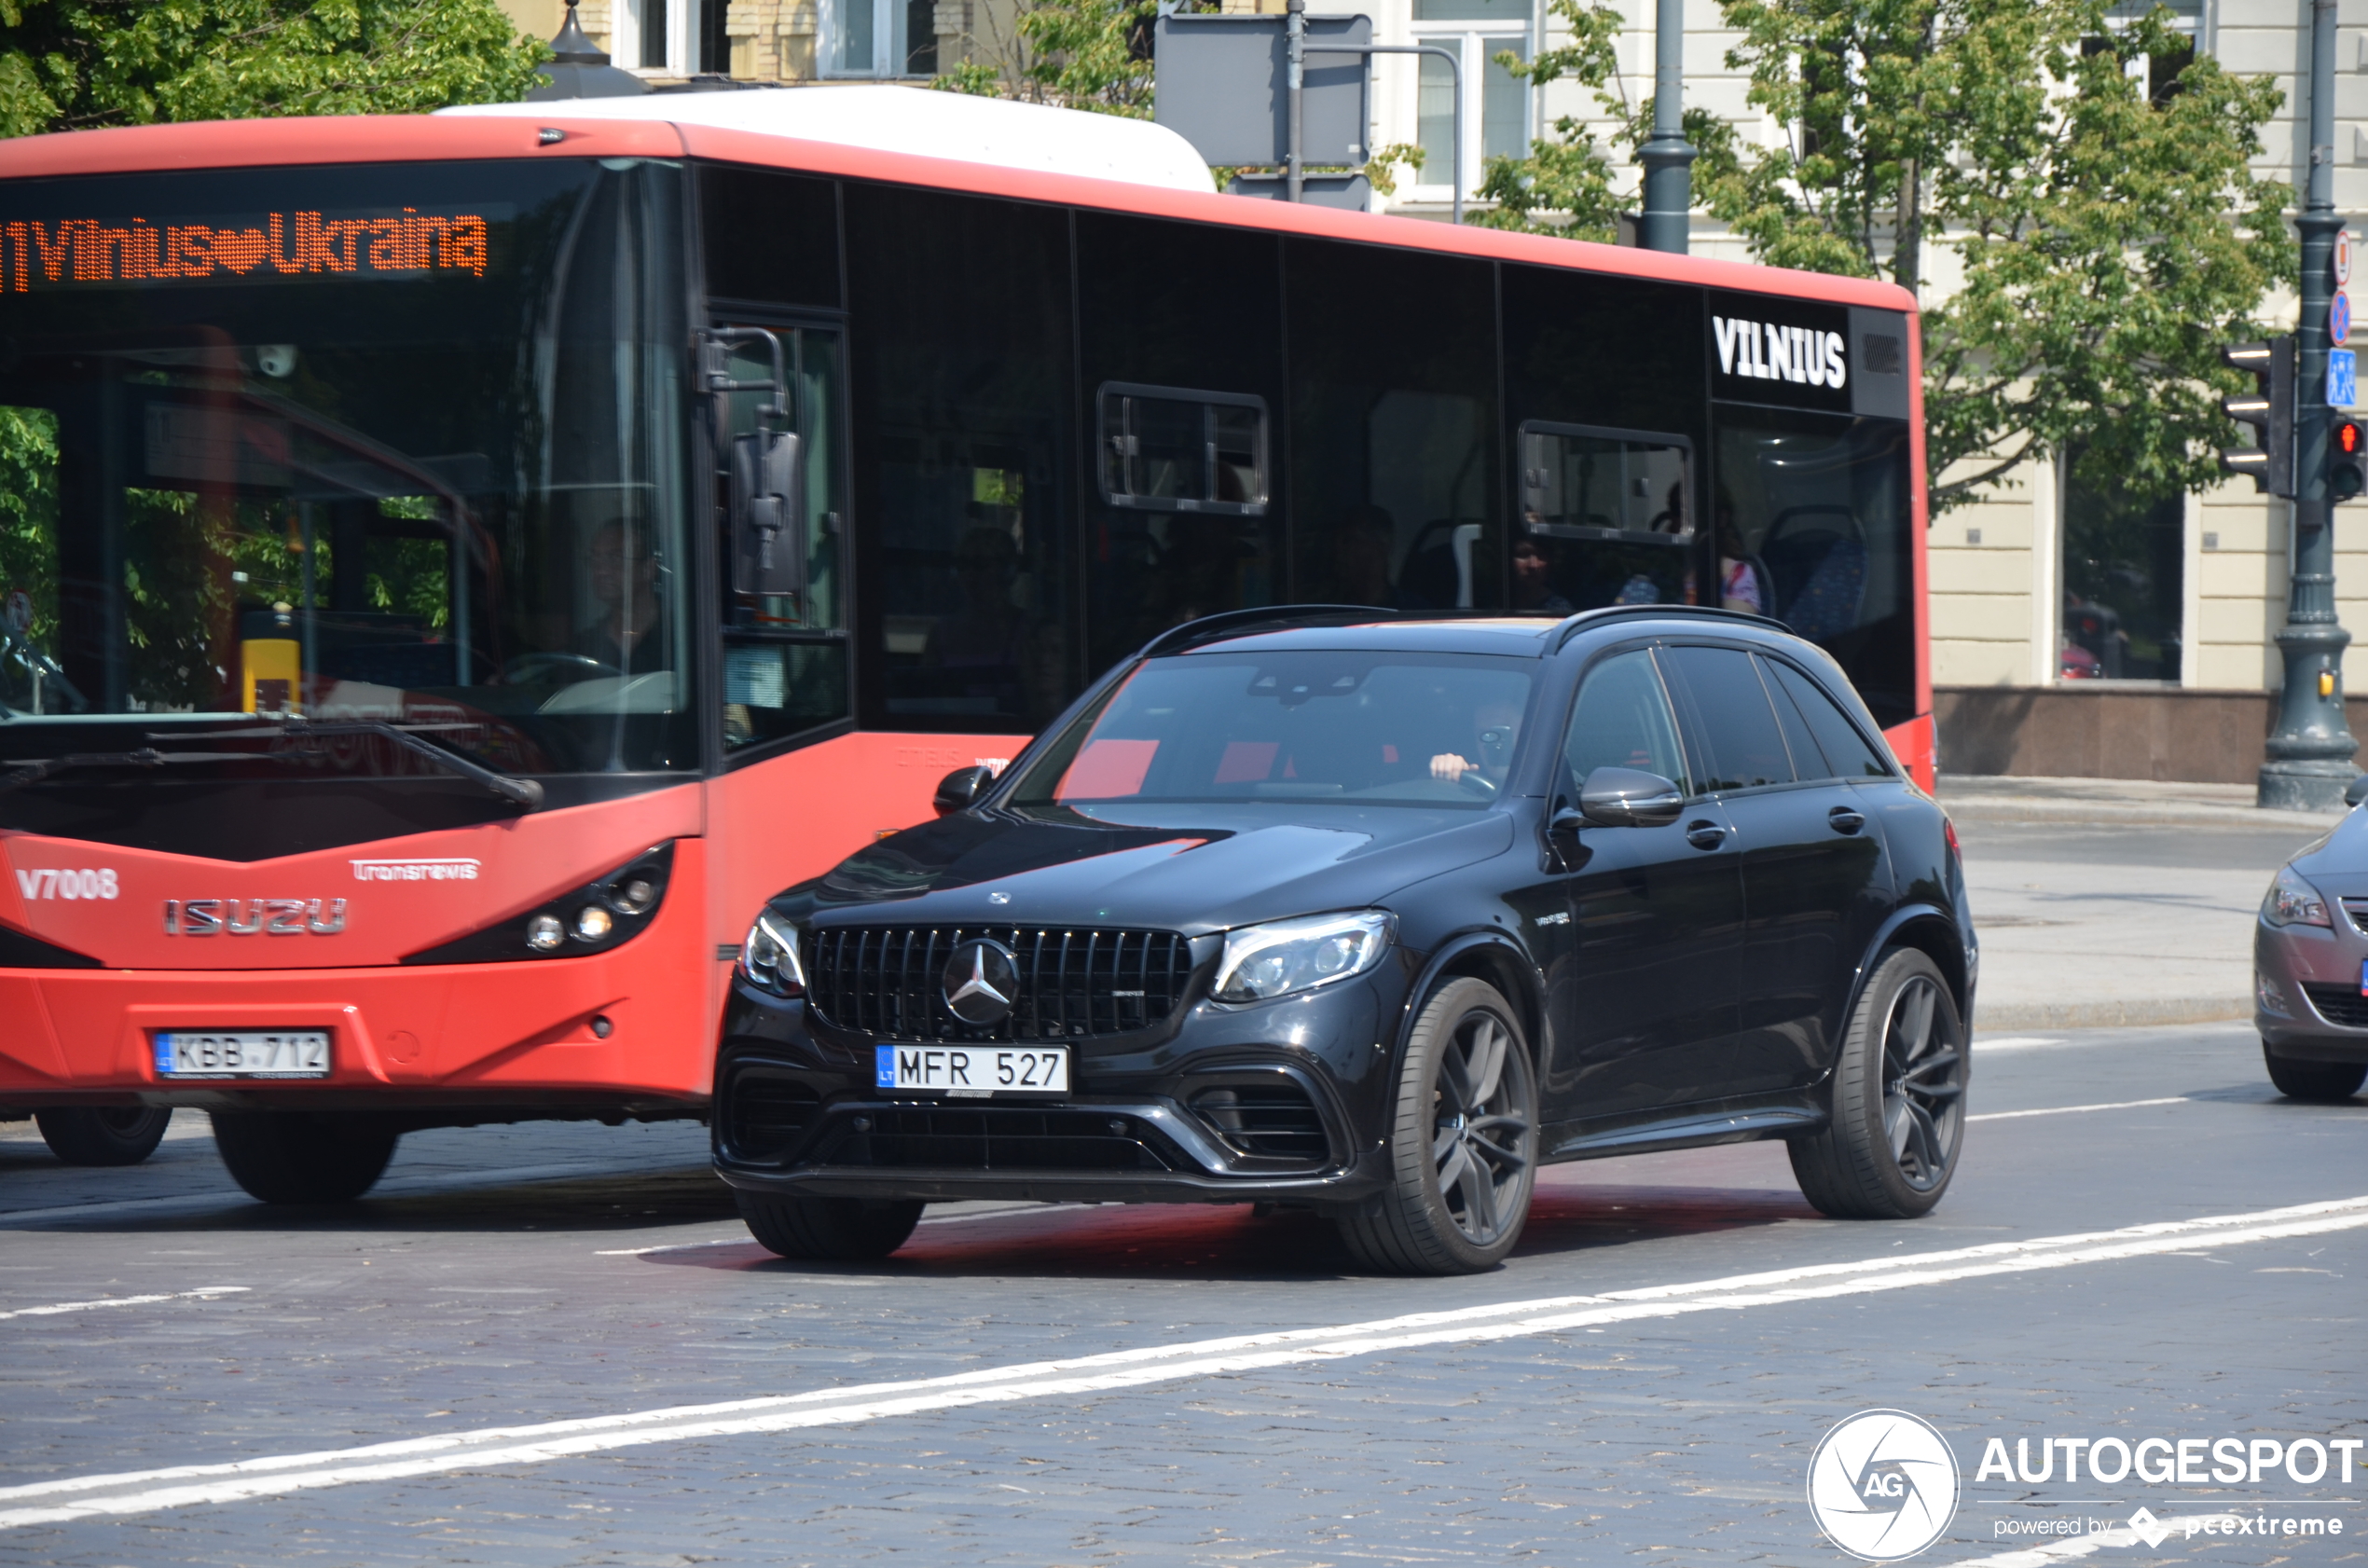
<point x="785" y="663"/>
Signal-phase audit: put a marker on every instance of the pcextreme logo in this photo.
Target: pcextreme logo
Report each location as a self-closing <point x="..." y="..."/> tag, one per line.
<point x="1883" y="1485"/>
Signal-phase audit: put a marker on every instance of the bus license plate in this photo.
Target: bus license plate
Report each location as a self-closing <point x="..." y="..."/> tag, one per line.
<point x="969" y="1071"/>
<point x="243" y="1053"/>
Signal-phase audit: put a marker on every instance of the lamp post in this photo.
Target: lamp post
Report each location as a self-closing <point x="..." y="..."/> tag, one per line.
<point x="2310" y="755"/>
<point x="1668" y="159"/>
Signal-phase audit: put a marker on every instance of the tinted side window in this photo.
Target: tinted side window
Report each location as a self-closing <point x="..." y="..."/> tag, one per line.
<point x="1621" y="719"/>
<point x="769" y="237"/>
<point x="1740" y="745"/>
<point x="964" y="508"/>
<point x="1808" y="759"/>
<point x="1846" y="751"/>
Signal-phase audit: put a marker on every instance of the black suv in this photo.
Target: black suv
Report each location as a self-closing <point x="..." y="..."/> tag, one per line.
<point x="1373" y="915"/>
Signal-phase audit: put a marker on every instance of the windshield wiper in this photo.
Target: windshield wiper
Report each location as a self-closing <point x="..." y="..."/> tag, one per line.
<point x="524" y="794"/>
<point x="31" y="770"/>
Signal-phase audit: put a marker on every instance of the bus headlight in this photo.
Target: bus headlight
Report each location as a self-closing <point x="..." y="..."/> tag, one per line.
<point x="769" y="958"/>
<point x="1286" y="956"/>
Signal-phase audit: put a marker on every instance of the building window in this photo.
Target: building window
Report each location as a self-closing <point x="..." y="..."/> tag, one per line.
<point x="2125" y="585"/>
<point x="1497" y="102"/>
<point x="672" y="37"/>
<point x="879" y="38"/>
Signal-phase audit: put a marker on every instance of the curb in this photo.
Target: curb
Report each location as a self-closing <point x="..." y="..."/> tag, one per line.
<point x="1975" y="810"/>
<point x="1991" y="1019"/>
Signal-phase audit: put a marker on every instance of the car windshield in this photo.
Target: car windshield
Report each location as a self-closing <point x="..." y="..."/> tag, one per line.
<point x="1388" y="727"/>
<point x="398" y="444"/>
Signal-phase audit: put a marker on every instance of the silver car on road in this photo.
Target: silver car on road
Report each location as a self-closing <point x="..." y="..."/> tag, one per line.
<point x="2310" y="967"/>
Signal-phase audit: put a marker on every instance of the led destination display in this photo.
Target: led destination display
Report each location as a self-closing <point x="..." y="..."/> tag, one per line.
<point x="36" y="253"/>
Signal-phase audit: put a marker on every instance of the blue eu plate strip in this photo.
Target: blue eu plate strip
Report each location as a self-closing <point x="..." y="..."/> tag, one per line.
<point x="164" y="1046"/>
<point x="884" y="1056"/>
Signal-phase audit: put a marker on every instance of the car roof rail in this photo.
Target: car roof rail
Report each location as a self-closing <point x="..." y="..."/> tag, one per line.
<point x="1228" y="620"/>
<point x="1587" y="620"/>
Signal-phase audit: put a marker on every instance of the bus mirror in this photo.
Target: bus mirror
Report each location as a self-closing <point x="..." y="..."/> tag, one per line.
<point x="768" y="522"/>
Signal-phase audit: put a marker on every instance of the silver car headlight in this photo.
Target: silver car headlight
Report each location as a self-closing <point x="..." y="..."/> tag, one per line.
<point x="1262" y="962"/>
<point x="2293" y="901"/>
<point x="769" y="959"/>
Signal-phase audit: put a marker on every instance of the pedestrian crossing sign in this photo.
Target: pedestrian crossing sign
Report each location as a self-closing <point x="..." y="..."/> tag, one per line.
<point x="2342" y="381"/>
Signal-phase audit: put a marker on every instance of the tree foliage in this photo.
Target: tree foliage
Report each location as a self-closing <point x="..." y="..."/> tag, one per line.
<point x="2071" y="198"/>
<point x="1076" y="54"/>
<point x="72" y="64"/>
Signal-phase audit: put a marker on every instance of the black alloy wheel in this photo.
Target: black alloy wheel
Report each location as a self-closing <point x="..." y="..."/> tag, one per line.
<point x="833" y="1229"/>
<point x="2320" y="1082"/>
<point x="1462" y="1144"/>
<point x="304" y="1156"/>
<point x="1898" y="1099"/>
<point x="102" y="1134"/>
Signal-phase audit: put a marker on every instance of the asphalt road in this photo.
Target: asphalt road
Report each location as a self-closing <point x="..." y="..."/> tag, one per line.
<point x="501" y="1281"/>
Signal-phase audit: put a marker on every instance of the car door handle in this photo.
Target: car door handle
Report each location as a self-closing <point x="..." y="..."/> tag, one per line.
<point x="1846" y="820"/>
<point x="1705" y="835"/>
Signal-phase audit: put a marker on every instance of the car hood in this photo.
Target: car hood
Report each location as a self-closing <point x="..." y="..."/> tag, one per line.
<point x="2336" y="862"/>
<point x="1189" y="869"/>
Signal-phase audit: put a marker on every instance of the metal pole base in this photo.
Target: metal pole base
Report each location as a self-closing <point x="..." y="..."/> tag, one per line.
<point x="2300" y="786"/>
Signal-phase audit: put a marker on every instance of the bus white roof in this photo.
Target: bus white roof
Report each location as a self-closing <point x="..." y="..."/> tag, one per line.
<point x="917" y="120"/>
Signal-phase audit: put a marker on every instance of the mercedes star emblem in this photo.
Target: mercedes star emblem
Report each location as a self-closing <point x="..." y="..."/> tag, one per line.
<point x="980" y="980"/>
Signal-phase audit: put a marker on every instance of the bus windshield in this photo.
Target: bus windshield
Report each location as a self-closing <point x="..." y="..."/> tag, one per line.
<point x="400" y="443"/>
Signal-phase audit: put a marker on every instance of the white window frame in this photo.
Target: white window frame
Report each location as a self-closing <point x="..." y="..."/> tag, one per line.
<point x="1474" y="46"/>
<point x="624" y="49"/>
<point x="888" y="32"/>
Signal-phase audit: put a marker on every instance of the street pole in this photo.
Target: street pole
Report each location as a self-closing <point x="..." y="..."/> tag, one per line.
<point x="1294" y="179"/>
<point x="1668" y="160"/>
<point x="2310" y="753"/>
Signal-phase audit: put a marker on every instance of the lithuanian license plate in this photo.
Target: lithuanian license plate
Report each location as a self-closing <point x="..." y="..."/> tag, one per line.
<point x="974" y="1071"/>
<point x="243" y="1052"/>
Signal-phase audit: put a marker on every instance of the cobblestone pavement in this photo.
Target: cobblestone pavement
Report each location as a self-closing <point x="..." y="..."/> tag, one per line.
<point x="510" y="1277"/>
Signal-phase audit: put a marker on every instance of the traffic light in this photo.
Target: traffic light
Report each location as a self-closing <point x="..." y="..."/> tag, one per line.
<point x="2347" y="460"/>
<point x="2269" y="409"/>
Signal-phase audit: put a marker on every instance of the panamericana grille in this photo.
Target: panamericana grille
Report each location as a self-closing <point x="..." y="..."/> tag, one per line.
<point x="998" y="1138"/>
<point x="768" y="1114"/>
<point x="2339" y="1004"/>
<point x="1274" y="1120"/>
<point x="1073" y="983"/>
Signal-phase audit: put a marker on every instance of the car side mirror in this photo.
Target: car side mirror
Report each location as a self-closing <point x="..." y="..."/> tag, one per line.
<point x="960" y="788"/>
<point x="768" y="514"/>
<point x="1627" y="797"/>
<point x="2357" y="790"/>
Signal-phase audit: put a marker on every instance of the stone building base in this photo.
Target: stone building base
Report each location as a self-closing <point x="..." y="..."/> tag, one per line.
<point x="2110" y="731"/>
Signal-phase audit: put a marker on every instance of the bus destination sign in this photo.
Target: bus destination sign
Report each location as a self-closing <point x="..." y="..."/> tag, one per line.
<point x="1787" y="351"/>
<point x="63" y="253"/>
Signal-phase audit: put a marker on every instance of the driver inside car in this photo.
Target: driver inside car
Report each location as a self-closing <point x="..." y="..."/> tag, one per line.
<point x="1495" y="725"/>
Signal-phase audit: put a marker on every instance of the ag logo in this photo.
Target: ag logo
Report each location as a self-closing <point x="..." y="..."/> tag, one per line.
<point x="1883" y="1485"/>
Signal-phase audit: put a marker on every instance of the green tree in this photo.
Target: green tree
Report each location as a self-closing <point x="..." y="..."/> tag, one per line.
<point x="72" y="64"/>
<point x="1076" y="54"/>
<point x="2071" y="198"/>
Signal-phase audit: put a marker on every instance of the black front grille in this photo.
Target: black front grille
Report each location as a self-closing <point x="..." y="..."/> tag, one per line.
<point x="2339" y="1004"/>
<point x="997" y="1138"/>
<point x="1274" y="1120"/>
<point x="1073" y="984"/>
<point x="767" y="1115"/>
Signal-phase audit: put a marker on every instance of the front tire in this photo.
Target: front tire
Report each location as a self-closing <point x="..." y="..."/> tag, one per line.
<point x="1897" y="1113"/>
<point x="2323" y="1082"/>
<point x="833" y="1229"/>
<point x="303" y="1157"/>
<point x="1463" y="1142"/>
<point x="102" y="1134"/>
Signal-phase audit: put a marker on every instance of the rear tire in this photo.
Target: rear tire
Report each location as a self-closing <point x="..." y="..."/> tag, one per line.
<point x="1463" y="1142"/>
<point x="1896" y="1115"/>
<point x="303" y="1157"/>
<point x="833" y="1230"/>
<point x="102" y="1134"/>
<point x="2321" y="1083"/>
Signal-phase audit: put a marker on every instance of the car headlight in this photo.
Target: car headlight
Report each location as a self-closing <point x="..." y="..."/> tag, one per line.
<point x="2293" y="901"/>
<point x="769" y="960"/>
<point x="1274" y="960"/>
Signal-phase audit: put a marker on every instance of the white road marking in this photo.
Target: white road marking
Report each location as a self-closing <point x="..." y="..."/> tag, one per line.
<point x="2071" y="1547"/>
<point x="54" y="1501"/>
<point x="1986" y="1043"/>
<point x="2072" y="1111"/>
<point x="125" y="1301"/>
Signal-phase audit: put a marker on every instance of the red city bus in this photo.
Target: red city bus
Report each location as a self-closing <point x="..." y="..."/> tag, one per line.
<point x="457" y="568"/>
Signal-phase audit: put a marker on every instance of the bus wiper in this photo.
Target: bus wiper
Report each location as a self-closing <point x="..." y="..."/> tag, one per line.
<point x="524" y="794"/>
<point x="31" y="770"/>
